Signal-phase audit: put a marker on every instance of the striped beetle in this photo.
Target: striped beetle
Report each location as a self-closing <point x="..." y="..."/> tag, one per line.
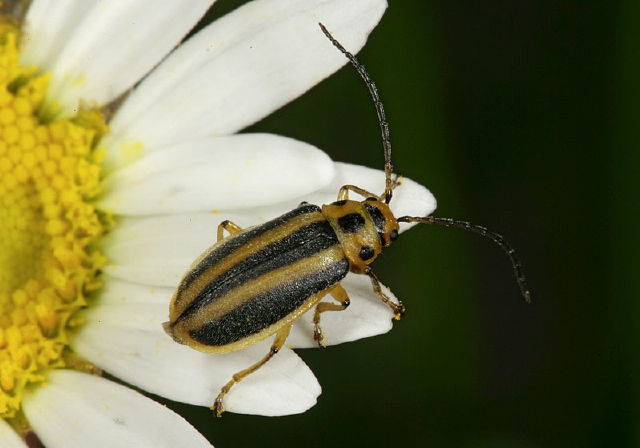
<point x="258" y="281"/>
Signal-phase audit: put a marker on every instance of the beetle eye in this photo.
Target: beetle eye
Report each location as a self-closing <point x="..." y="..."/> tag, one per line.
<point x="366" y="253"/>
<point x="371" y="199"/>
<point x="393" y="235"/>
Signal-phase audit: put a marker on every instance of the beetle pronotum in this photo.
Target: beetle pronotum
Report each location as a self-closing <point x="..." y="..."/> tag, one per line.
<point x="257" y="282"/>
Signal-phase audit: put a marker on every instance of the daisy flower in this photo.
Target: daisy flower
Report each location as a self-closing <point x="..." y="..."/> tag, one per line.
<point x="101" y="215"/>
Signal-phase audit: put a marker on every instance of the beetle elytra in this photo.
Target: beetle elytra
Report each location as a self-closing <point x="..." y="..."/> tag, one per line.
<point x="256" y="282"/>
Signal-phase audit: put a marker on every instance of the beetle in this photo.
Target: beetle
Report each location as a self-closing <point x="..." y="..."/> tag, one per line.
<point x="256" y="282"/>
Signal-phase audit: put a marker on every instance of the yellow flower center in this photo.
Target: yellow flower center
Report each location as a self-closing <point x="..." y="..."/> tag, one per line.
<point x="48" y="227"/>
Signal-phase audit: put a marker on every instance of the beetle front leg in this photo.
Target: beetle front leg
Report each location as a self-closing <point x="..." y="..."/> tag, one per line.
<point x="344" y="192"/>
<point x="278" y="342"/>
<point x="397" y="308"/>
<point x="341" y="296"/>
<point x="229" y="227"/>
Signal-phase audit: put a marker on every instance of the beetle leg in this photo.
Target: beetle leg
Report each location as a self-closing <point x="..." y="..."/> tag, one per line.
<point x="344" y="192"/>
<point x="281" y="337"/>
<point x="397" y="308"/>
<point x="229" y="227"/>
<point x="341" y="296"/>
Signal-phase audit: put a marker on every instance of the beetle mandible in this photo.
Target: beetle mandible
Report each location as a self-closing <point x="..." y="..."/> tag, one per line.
<point x="256" y="282"/>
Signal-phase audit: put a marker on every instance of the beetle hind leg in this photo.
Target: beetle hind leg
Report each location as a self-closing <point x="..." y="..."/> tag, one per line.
<point x="278" y="342"/>
<point x="342" y="297"/>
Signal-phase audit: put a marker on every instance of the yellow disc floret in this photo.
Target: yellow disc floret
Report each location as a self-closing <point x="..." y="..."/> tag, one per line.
<point x="48" y="226"/>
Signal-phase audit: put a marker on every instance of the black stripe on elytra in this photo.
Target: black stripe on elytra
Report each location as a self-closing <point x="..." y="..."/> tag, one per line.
<point x="268" y="308"/>
<point x="233" y="244"/>
<point x="351" y="223"/>
<point x="304" y="242"/>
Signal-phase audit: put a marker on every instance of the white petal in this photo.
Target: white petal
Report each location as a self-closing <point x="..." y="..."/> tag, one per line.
<point x="48" y="26"/>
<point x="121" y="293"/>
<point x="366" y="316"/>
<point x="158" y="250"/>
<point x="236" y="171"/>
<point x="97" y="50"/>
<point x="409" y="198"/>
<point x="10" y="438"/>
<point x="239" y="70"/>
<point x="79" y="410"/>
<point x="128" y="342"/>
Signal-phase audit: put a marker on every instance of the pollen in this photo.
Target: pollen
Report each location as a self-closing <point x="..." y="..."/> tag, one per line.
<point x="48" y="226"/>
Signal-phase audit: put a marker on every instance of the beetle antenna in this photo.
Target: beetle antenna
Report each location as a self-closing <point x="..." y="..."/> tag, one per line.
<point x="495" y="237"/>
<point x="384" y="126"/>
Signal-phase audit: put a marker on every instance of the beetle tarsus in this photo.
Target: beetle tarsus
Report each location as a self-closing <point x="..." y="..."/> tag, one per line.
<point x="318" y="336"/>
<point x="217" y="407"/>
<point x="398" y="309"/>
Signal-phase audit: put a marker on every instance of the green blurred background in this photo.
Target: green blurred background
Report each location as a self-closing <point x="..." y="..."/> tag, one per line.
<point x="521" y="116"/>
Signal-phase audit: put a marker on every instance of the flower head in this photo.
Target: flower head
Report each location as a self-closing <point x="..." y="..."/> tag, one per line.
<point x="101" y="217"/>
<point x="48" y="226"/>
